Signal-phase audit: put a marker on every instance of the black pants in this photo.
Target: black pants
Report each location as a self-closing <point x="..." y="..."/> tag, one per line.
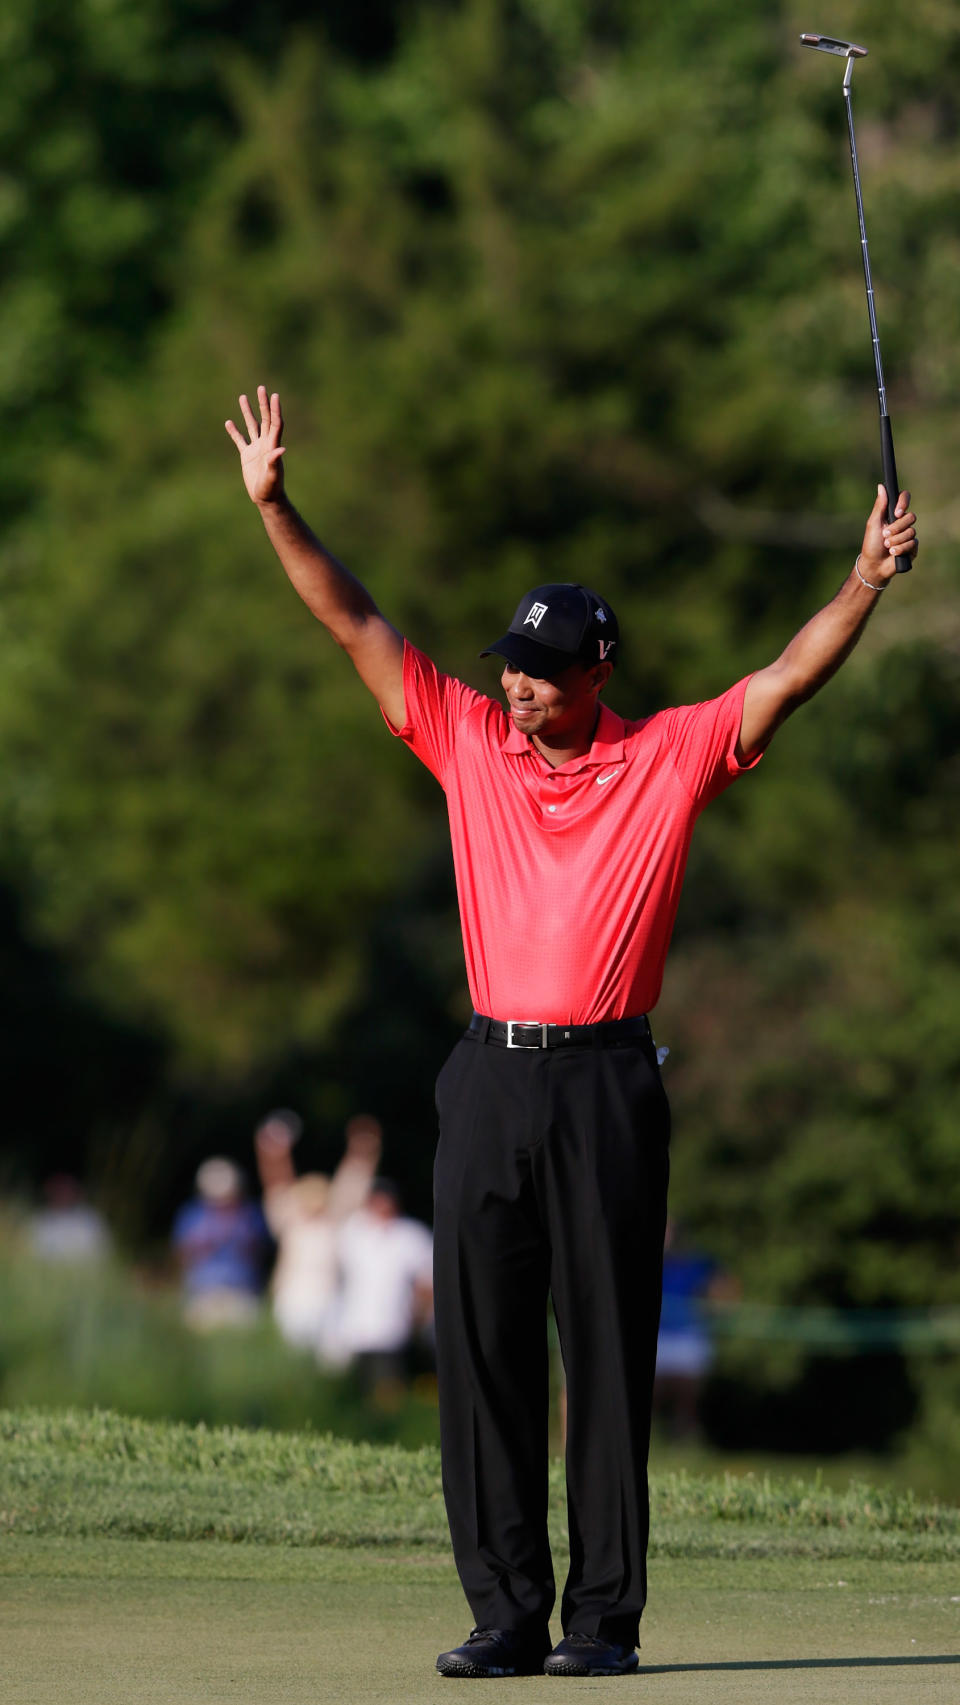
<point x="551" y="1175"/>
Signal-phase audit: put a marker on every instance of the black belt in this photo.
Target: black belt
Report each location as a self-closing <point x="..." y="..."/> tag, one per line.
<point x="527" y="1033"/>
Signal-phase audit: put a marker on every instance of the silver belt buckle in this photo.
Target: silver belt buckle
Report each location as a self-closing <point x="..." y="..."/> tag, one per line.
<point x="526" y="1023"/>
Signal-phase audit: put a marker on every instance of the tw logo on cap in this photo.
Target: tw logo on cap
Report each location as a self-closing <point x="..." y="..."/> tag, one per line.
<point x="535" y="615"/>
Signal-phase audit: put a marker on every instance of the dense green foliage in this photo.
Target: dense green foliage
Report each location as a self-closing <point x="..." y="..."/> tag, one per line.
<point x="551" y="289"/>
<point x="85" y="1475"/>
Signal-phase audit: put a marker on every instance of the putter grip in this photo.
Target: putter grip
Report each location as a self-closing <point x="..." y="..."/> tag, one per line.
<point x="904" y="563"/>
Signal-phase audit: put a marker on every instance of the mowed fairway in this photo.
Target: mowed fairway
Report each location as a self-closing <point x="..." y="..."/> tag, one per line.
<point x="111" y="1593"/>
<point x="109" y="1622"/>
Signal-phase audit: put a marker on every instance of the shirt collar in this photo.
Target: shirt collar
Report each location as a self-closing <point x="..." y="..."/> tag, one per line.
<point x="607" y="747"/>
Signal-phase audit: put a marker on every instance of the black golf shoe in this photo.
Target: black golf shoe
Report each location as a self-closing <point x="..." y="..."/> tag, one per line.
<point x="496" y="1651"/>
<point x="581" y="1654"/>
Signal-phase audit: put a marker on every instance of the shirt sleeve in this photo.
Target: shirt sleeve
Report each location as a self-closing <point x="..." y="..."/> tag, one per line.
<point x="435" y="706"/>
<point x="702" y="739"/>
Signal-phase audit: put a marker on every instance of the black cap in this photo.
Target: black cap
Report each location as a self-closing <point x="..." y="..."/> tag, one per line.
<point x="555" y="626"/>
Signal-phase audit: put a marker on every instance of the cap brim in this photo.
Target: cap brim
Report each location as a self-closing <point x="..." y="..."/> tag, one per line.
<point x="541" y="662"/>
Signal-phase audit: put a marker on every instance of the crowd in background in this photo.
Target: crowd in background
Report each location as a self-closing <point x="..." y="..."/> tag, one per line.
<point x="347" y="1272"/>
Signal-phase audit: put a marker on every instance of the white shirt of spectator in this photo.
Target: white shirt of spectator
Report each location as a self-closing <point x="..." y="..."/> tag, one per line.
<point x="383" y="1263"/>
<point x="305" y="1279"/>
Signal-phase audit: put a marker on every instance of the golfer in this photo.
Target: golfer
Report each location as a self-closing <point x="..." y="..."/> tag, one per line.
<point x="570" y="832"/>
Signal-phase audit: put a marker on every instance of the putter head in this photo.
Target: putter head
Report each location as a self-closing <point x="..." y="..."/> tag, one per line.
<point x="828" y="44"/>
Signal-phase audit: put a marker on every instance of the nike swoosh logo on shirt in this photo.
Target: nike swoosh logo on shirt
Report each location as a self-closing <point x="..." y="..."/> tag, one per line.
<point x="602" y="779"/>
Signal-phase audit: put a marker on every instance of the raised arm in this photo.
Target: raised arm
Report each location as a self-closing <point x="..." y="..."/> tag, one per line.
<point x="350" y="1184"/>
<point x="336" y="598"/>
<point x="817" y="651"/>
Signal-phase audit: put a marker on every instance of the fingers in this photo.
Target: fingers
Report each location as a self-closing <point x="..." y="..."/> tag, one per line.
<point x="236" y="435"/>
<point x="901" y="505"/>
<point x="897" y="538"/>
<point x="899" y="535"/>
<point x="247" y="413"/>
<point x="271" y="416"/>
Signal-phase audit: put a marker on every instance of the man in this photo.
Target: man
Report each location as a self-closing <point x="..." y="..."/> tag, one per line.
<point x="691" y="1278"/>
<point x="306" y="1214"/>
<point x="570" y="833"/>
<point x="221" y="1242"/>
<point x="386" y="1269"/>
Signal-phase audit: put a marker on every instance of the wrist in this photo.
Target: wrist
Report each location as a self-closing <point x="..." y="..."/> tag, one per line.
<point x="874" y="576"/>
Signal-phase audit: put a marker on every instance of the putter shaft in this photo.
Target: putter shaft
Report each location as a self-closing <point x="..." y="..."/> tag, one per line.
<point x="851" y="50"/>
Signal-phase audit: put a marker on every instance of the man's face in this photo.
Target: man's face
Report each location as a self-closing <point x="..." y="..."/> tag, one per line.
<point x="555" y="707"/>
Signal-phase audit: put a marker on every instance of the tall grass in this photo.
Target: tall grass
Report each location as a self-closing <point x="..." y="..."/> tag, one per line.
<point x="111" y="1337"/>
<point x="86" y="1475"/>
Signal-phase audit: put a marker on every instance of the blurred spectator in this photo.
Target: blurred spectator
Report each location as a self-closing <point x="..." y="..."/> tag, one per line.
<point x="685" y="1344"/>
<point x="386" y="1263"/>
<point x="305" y="1215"/>
<point x="68" y="1228"/>
<point x="221" y="1241"/>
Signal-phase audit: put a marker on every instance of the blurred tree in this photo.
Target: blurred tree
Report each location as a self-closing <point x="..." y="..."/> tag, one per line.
<point x="76" y="1081"/>
<point x="111" y="114"/>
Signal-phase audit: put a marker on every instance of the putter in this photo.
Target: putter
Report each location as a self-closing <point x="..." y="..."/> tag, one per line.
<point x="849" y="51"/>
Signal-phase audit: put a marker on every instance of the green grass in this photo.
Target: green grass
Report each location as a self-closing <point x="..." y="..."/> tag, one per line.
<point x="81" y="1475"/>
<point x="101" y="1337"/>
<point x="143" y="1563"/>
<point x="107" y="1622"/>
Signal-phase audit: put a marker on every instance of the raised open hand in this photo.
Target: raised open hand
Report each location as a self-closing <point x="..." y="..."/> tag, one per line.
<point x="261" y="459"/>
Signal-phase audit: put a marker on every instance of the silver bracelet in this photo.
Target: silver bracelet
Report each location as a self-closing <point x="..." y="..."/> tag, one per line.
<point x="856" y="570"/>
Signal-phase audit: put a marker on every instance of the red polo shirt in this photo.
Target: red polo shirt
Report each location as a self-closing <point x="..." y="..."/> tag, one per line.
<point x="568" y="879"/>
